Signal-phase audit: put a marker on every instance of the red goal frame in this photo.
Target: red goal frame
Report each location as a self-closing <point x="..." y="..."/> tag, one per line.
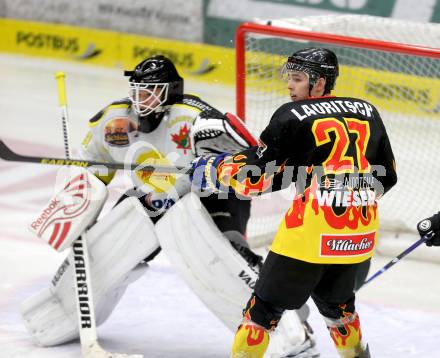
<point x="248" y="27"/>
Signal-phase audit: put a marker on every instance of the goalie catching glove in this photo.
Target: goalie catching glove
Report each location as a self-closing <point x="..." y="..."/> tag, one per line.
<point x="214" y="132"/>
<point x="430" y="225"/>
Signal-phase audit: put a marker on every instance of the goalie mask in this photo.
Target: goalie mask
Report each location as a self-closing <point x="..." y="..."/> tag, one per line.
<point x="154" y="84"/>
<point x="316" y="63"/>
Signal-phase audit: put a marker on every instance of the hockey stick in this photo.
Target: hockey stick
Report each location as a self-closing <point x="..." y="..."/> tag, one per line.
<point x="7" y="154"/>
<point x="79" y="255"/>
<point x="399" y="257"/>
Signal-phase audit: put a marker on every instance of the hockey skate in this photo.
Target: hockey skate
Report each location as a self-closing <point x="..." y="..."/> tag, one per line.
<point x="307" y="349"/>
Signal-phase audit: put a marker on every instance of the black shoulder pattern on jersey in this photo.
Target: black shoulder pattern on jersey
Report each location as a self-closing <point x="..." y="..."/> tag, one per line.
<point x="196" y="102"/>
<point x="125" y="100"/>
<point x="98" y="116"/>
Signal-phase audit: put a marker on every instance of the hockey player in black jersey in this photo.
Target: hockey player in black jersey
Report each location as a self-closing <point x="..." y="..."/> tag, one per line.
<point x="337" y="151"/>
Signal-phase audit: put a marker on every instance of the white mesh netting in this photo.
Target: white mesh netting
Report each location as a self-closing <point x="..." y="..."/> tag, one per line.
<point x="404" y="88"/>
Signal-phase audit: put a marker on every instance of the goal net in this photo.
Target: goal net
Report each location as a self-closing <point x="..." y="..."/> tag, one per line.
<point x="395" y="65"/>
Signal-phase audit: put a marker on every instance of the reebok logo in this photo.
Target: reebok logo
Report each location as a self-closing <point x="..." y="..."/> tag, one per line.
<point x="45" y="214"/>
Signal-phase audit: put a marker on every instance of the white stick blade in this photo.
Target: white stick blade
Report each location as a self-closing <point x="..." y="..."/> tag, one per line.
<point x="96" y="351"/>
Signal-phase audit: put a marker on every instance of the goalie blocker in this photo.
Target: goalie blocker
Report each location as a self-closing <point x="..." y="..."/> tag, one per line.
<point x="50" y="315"/>
<point x="72" y="210"/>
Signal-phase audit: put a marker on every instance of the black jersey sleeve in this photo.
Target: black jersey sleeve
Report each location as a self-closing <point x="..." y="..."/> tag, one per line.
<point x="259" y="169"/>
<point x="275" y="138"/>
<point x="386" y="172"/>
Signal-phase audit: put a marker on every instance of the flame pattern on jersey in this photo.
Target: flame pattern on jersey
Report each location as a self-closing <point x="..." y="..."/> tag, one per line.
<point x="343" y="142"/>
<point x="227" y="174"/>
<point x="352" y="216"/>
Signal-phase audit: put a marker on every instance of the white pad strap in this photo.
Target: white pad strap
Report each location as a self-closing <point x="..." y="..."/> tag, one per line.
<point x="74" y="207"/>
<point x="219" y="276"/>
<point x="117" y="243"/>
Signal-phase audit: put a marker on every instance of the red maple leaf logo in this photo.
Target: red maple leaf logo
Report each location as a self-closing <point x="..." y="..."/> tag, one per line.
<point x="182" y="139"/>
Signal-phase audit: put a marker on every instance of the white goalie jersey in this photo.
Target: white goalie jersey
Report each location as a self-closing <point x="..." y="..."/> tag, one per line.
<point x="188" y="129"/>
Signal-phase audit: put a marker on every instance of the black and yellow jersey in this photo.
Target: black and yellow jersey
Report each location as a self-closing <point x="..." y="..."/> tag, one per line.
<point x="337" y="151"/>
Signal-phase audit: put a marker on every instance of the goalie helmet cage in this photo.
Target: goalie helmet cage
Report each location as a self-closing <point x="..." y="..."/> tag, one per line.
<point x="392" y="64"/>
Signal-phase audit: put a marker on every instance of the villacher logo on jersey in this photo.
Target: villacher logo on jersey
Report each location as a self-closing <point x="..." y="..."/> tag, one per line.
<point x="347" y="245"/>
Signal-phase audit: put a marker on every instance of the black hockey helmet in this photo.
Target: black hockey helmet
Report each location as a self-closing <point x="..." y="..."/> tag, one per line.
<point x="316" y="62"/>
<point x="158" y="76"/>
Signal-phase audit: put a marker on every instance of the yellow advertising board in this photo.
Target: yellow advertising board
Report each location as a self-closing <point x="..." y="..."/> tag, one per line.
<point x="59" y="41"/>
<point x="391" y="91"/>
<point x="207" y="63"/>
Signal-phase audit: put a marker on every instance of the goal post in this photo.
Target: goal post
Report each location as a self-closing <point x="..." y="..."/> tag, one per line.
<point x="393" y="64"/>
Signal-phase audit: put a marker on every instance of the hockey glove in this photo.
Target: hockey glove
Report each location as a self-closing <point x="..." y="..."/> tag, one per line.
<point x="204" y="175"/>
<point x="431" y="224"/>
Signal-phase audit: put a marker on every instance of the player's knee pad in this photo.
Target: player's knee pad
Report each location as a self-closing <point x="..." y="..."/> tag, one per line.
<point x="347" y="336"/>
<point x="262" y="313"/>
<point x="117" y="244"/>
<point x="335" y="310"/>
<point x="251" y="341"/>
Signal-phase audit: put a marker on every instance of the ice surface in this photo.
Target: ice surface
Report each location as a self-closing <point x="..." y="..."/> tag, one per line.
<point x="159" y="316"/>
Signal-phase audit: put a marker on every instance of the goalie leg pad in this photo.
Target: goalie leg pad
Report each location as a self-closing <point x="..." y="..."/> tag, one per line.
<point x="219" y="276"/>
<point x="117" y="243"/>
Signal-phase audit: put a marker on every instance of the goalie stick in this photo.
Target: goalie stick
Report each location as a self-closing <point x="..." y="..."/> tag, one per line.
<point x="90" y="347"/>
<point x="7" y="154"/>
